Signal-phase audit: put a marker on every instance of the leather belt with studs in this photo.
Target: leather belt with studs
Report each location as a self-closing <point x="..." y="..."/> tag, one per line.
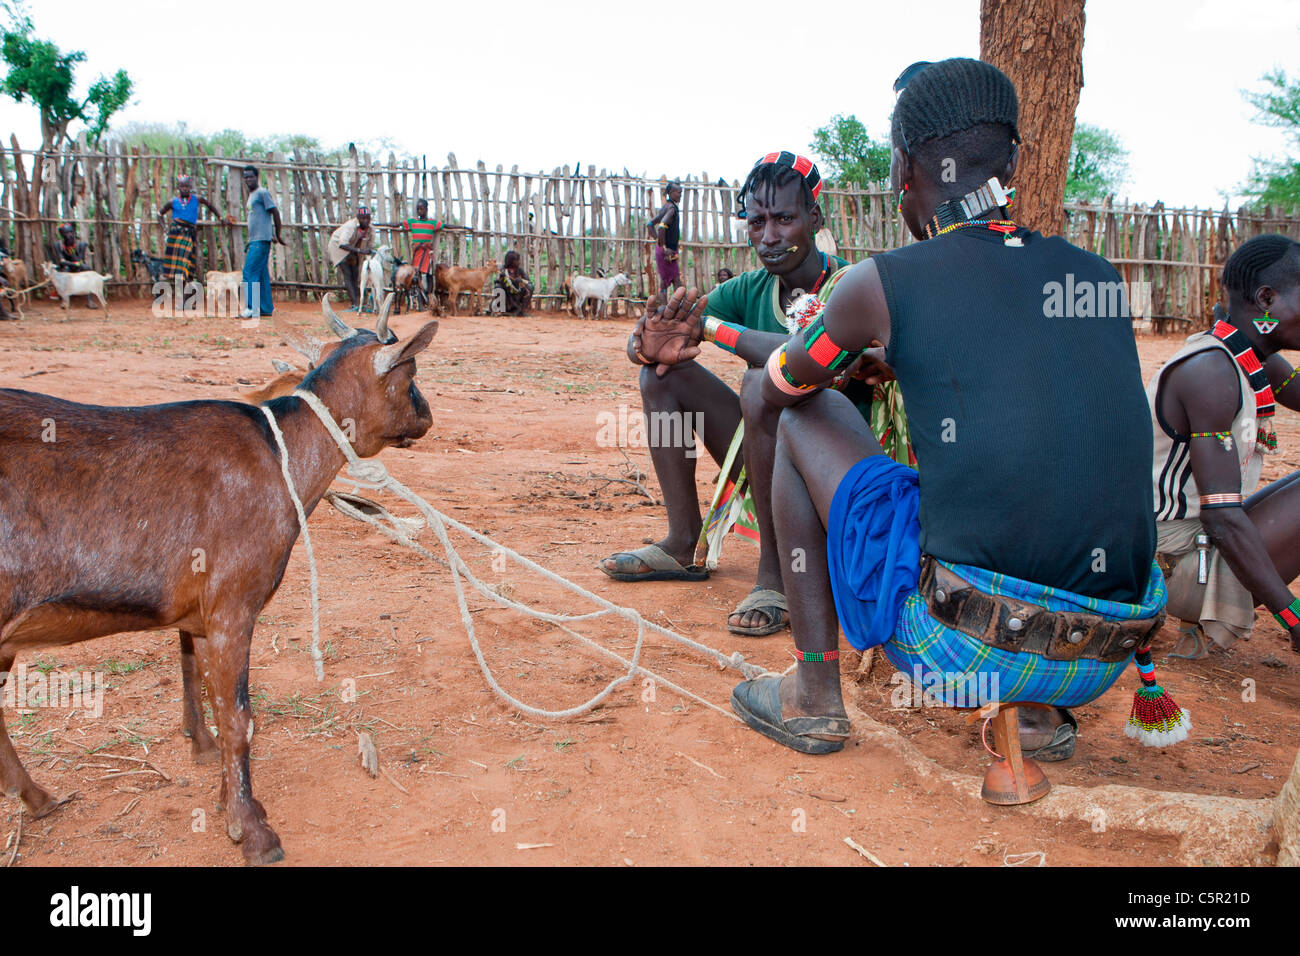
<point x="1010" y="624"/>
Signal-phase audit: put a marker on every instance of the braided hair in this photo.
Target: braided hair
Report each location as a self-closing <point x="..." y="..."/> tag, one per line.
<point x="961" y="110"/>
<point x="776" y="171"/>
<point x="1263" y="261"/>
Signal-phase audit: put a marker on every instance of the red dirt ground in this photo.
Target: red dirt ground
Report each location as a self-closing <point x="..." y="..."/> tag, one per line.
<point x="513" y="453"/>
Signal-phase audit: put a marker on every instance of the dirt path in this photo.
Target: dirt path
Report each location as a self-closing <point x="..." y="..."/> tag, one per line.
<point x="513" y="453"/>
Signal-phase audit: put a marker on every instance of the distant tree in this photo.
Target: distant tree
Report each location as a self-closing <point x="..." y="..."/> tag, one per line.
<point x="848" y="154"/>
<point x="42" y="73"/>
<point x="1098" y="164"/>
<point x="1277" y="182"/>
<point x="168" y="137"/>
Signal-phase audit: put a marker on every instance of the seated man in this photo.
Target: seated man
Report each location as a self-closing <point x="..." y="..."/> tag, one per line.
<point x="71" y="254"/>
<point x="516" y="290"/>
<point x="1226" y="547"/>
<point x="747" y="318"/>
<point x="1032" y="444"/>
<point x="349" y="245"/>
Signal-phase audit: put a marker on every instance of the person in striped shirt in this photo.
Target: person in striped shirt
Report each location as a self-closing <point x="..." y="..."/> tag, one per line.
<point x="423" y="233"/>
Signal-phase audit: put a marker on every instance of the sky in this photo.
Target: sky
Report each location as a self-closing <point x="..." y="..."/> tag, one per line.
<point x="676" y="88"/>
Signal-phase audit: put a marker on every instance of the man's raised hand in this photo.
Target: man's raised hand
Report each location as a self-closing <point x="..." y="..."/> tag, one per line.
<point x="670" y="334"/>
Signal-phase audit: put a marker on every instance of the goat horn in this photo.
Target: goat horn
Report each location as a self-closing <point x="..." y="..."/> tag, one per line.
<point x="381" y="327"/>
<point x="340" y="328"/>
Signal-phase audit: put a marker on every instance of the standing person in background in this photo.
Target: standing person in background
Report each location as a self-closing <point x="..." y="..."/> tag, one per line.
<point x="352" y="242"/>
<point x="263" y="229"/>
<point x="180" y="255"/>
<point x="423" y="233"/>
<point x="665" y="228"/>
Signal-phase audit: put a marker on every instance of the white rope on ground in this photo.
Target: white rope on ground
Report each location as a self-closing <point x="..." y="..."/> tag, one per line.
<point x="373" y="475"/>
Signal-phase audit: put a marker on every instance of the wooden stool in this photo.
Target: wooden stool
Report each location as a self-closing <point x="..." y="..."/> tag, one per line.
<point x="1012" y="778"/>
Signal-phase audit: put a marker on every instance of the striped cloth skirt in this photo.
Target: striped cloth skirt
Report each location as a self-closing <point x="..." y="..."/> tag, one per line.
<point x="873" y="557"/>
<point x="178" y="257"/>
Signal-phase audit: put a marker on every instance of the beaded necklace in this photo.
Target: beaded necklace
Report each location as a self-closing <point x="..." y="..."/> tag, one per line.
<point x="1004" y="226"/>
<point x="1248" y="361"/>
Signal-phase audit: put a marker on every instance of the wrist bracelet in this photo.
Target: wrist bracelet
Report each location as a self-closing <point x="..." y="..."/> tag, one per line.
<point x="724" y="335"/>
<point x="1220" y="501"/>
<point x="1289" y="616"/>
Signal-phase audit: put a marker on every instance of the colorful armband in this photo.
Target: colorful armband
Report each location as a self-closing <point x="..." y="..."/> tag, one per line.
<point x="1289" y="616"/>
<point x="1220" y="501"/>
<point x="820" y="348"/>
<point x="781" y="377"/>
<point x="724" y="335"/>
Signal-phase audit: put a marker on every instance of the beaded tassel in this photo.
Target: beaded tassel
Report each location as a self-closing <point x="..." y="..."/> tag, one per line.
<point x="1155" y="719"/>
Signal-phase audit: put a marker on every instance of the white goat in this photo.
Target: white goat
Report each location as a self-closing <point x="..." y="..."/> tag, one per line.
<point x="372" y="273"/>
<point x="68" y="284"/>
<point x="585" y="287"/>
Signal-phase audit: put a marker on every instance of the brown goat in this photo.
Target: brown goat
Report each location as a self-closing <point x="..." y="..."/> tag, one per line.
<point x="453" y="280"/>
<point x="177" y="515"/>
<point x="405" y="279"/>
<point x="15" y="272"/>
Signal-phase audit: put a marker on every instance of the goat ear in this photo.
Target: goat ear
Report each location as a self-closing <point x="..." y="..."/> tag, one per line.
<point x="391" y="356"/>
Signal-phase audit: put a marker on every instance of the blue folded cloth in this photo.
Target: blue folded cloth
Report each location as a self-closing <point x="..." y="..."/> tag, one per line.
<point x="873" y="548"/>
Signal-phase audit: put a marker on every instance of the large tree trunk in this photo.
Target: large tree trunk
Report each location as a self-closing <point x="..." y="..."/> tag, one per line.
<point x="1039" y="44"/>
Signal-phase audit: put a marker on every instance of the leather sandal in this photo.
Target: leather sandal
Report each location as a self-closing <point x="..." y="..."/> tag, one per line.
<point x="758" y="704"/>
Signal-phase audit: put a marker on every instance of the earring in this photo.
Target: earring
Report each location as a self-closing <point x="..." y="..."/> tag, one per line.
<point x="1266" y="324"/>
<point x="901" y="193"/>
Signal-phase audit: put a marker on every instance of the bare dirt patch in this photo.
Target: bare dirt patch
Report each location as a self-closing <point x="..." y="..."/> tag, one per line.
<point x="513" y="453"/>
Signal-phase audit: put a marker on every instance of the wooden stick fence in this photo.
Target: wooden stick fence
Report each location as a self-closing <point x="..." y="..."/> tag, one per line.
<point x="561" y="222"/>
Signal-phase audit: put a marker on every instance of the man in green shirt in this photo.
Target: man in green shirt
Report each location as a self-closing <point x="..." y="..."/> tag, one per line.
<point x="423" y="233"/>
<point x="779" y="204"/>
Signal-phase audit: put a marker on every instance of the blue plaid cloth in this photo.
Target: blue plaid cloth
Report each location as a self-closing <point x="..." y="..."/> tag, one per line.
<point x="874" y="564"/>
<point x="951" y="662"/>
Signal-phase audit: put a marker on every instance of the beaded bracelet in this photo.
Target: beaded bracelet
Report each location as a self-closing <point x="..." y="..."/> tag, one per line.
<point x="1225" y="437"/>
<point x="1289" y="616"/>
<point x="816" y="657"/>
<point x="1286" y="381"/>
<point x="724" y="335"/>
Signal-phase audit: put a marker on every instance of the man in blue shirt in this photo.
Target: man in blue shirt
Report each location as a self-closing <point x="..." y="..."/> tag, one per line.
<point x="263" y="228"/>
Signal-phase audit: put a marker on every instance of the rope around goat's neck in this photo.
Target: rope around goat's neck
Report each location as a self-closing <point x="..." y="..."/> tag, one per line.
<point x="317" y="663"/>
<point x="375" y="475"/>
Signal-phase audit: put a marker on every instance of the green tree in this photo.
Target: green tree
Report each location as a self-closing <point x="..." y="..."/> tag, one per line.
<point x="174" y="137"/>
<point x="42" y="73"/>
<point x="848" y="154"/>
<point x="1277" y="182"/>
<point x="1098" y="164"/>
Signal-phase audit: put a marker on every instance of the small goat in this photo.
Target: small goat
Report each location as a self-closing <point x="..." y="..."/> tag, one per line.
<point x="222" y="289"/>
<point x="177" y="515"/>
<point x="585" y="287"/>
<point x="68" y="284"/>
<point x="372" y="271"/>
<point x="454" y="280"/>
<point x="407" y="287"/>
<point x="153" y="264"/>
<point x="15" y="273"/>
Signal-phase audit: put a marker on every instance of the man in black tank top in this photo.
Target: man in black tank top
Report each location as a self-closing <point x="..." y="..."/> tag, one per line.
<point x="1026" y="406"/>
